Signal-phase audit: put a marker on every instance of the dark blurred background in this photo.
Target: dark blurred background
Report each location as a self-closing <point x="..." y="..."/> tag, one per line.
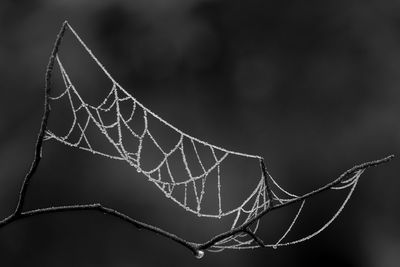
<point x="311" y="86"/>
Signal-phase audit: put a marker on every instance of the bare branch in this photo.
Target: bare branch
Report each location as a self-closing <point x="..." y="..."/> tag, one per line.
<point x="254" y="236"/>
<point x="43" y="126"/>
<point x="105" y="210"/>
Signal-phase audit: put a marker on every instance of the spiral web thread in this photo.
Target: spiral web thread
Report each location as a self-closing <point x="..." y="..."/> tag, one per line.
<point x="260" y="199"/>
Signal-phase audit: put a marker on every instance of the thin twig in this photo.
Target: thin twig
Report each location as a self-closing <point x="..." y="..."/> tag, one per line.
<point x="255" y="237"/>
<point x="196" y="249"/>
<point x="43" y="126"/>
<point x="105" y="210"/>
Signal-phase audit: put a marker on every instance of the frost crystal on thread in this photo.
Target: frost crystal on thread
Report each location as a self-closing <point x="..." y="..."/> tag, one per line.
<point x="259" y="200"/>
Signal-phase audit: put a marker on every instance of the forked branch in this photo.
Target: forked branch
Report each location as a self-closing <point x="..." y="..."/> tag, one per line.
<point x="196" y="248"/>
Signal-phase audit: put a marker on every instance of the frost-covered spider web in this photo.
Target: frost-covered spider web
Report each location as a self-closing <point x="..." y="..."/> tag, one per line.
<point x="122" y="129"/>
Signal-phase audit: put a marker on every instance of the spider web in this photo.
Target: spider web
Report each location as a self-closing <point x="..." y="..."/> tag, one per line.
<point x="161" y="174"/>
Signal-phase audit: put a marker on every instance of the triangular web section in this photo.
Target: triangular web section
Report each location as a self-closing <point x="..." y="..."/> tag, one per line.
<point x="206" y="155"/>
<point x="137" y="122"/>
<point x="127" y="105"/>
<point x="150" y="156"/>
<point x="211" y="195"/>
<point x="167" y="137"/>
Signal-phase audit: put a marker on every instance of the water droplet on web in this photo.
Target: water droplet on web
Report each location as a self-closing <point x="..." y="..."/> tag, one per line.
<point x="139" y="170"/>
<point x="274" y="246"/>
<point x="199" y="254"/>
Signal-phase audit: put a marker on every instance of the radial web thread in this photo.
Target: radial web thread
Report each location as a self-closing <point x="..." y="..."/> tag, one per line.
<point x="260" y="199"/>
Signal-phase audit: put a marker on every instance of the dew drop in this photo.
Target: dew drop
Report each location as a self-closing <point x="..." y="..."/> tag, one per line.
<point x="199" y="254"/>
<point x="139" y="170"/>
<point x="274" y="246"/>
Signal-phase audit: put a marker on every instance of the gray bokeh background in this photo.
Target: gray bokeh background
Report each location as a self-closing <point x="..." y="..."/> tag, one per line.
<point x="313" y="87"/>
